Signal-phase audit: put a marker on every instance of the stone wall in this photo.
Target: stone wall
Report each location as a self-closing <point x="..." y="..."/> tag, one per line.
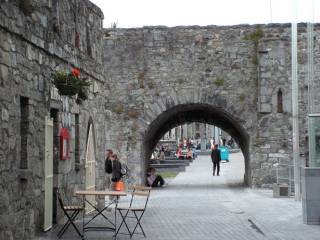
<point x="145" y="81"/>
<point x="36" y="39"/>
<point x="237" y="70"/>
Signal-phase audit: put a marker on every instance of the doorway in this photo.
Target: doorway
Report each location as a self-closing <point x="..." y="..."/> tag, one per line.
<point x="48" y="174"/>
<point x="90" y="168"/>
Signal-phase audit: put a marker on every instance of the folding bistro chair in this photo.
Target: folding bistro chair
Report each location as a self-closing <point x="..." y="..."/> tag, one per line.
<point x="137" y="206"/>
<point x="71" y="212"/>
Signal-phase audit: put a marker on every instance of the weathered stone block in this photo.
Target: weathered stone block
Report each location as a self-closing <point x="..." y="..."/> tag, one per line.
<point x="6" y="235"/>
<point x="5" y="58"/>
<point x="4" y="115"/>
<point x="265" y="108"/>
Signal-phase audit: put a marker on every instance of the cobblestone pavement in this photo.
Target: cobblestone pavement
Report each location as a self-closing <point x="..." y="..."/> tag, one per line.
<point x="197" y="205"/>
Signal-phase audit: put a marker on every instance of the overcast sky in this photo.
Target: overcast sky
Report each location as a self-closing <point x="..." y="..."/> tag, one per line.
<point x="139" y="13"/>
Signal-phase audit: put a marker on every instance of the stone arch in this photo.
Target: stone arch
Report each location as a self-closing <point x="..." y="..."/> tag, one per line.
<point x="91" y="123"/>
<point x="90" y="157"/>
<point x="197" y="112"/>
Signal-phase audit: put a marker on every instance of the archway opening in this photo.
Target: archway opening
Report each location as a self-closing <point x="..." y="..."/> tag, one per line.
<point x="202" y="113"/>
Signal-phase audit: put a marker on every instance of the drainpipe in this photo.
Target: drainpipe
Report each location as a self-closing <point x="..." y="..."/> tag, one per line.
<point x="295" y="107"/>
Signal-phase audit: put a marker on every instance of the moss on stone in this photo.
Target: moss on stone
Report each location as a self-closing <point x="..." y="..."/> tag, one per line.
<point x="151" y="84"/>
<point x="255" y="36"/>
<point x="118" y="109"/>
<point x="242" y="97"/>
<point x="219" y="81"/>
<point x="141" y="78"/>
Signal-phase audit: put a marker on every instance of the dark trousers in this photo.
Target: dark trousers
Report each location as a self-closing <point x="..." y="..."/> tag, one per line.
<point x="216" y="165"/>
<point x="157" y="181"/>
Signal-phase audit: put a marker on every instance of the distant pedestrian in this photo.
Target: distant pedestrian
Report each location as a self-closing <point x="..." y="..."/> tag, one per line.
<point x="153" y="179"/>
<point x="161" y="155"/>
<point x="216" y="159"/>
<point x="189" y="154"/>
<point x="179" y="154"/>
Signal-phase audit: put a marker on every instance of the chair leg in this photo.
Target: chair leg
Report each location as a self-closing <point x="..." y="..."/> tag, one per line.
<point x="70" y="221"/>
<point x="67" y="224"/>
<point x="63" y="229"/>
<point x="99" y="213"/>
<point x="123" y="221"/>
<point x="138" y="224"/>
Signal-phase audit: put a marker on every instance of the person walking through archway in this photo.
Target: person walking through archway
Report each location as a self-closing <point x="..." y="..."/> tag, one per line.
<point x="216" y="159"/>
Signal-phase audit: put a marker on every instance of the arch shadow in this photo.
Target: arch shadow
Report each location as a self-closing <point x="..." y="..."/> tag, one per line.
<point x="203" y="113"/>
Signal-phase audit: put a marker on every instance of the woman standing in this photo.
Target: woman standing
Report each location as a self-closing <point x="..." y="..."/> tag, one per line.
<point x="116" y="171"/>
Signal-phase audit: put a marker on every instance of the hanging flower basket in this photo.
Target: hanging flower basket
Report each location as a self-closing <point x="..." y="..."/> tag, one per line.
<point x="70" y="84"/>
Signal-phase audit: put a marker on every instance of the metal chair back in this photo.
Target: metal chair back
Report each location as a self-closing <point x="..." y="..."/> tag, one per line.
<point x="138" y="205"/>
<point x="71" y="212"/>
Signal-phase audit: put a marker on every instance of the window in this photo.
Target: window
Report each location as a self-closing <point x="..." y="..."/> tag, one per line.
<point x="24" y="130"/>
<point x="76" y="141"/>
<point x="279" y="102"/>
<point x="88" y="40"/>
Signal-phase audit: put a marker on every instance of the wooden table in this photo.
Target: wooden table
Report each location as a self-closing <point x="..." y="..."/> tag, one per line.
<point x="116" y="195"/>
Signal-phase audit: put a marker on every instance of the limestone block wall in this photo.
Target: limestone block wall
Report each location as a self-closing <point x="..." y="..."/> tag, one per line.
<point x="145" y="81"/>
<point x="238" y="69"/>
<point x="37" y="38"/>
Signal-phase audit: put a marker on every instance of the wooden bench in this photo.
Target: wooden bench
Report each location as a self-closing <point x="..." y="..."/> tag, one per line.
<point x="175" y="161"/>
<point x="169" y="167"/>
<point x="178" y="161"/>
<point x="172" y="158"/>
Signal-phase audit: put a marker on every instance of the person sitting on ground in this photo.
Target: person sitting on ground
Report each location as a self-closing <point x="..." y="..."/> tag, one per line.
<point x="179" y="153"/>
<point x="189" y="154"/>
<point x="153" y="179"/>
<point x="161" y="155"/>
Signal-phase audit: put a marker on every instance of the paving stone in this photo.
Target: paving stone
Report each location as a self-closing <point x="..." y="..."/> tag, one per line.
<point x="197" y="205"/>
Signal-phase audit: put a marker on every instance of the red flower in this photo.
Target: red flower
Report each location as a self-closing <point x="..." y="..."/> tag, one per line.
<point x="75" y="72"/>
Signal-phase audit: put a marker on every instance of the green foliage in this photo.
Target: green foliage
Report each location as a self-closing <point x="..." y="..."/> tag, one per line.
<point x="141" y="79"/>
<point x="254" y="59"/>
<point x="242" y="97"/>
<point x="255" y="36"/>
<point x="219" y="81"/>
<point x="257" y="142"/>
<point x="168" y="174"/>
<point x="83" y="90"/>
<point x="134" y="127"/>
<point x="69" y="84"/>
<point x="151" y="84"/>
<point x="118" y="109"/>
